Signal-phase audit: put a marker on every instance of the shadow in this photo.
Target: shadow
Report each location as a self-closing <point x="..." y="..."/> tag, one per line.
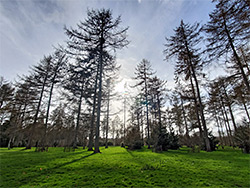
<point x="135" y="158"/>
<point x="64" y="164"/>
<point x="49" y="170"/>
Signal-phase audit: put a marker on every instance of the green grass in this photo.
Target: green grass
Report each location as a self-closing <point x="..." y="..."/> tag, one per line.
<point x="117" y="167"/>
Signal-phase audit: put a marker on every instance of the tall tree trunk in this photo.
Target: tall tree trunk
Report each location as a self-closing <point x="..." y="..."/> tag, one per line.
<point x="142" y="127"/>
<point x="91" y="135"/>
<point x="99" y="99"/>
<point x="185" y="119"/>
<point x="196" y="109"/>
<point x="107" y="125"/>
<point x="44" y="140"/>
<point x="138" y="118"/>
<point x="222" y="133"/>
<point x="227" y="120"/>
<point x="205" y="131"/>
<point x="78" y="117"/>
<point x="218" y="125"/>
<point x="124" y="119"/>
<point x="146" y="93"/>
<point x="159" y="110"/>
<point x="193" y="73"/>
<point x="229" y="107"/>
<point x="245" y="108"/>
<point x="227" y="131"/>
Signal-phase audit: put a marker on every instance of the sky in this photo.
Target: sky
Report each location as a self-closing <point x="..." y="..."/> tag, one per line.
<point x="30" y="28"/>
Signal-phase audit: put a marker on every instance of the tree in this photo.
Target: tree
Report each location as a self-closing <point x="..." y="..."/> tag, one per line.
<point x="157" y="92"/>
<point x="24" y="108"/>
<point x="39" y="81"/>
<point x="116" y="124"/>
<point x="6" y="97"/>
<point x="78" y="82"/>
<point x="6" y="109"/>
<point x="176" y="111"/>
<point x="58" y="65"/>
<point x="183" y="45"/>
<point x="101" y="32"/>
<point x="143" y="73"/>
<point x="221" y="103"/>
<point x="242" y="136"/>
<point x="242" y="98"/>
<point x="228" y="29"/>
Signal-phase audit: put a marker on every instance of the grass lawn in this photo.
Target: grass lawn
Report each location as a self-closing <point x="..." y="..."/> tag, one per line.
<point x="117" y="167"/>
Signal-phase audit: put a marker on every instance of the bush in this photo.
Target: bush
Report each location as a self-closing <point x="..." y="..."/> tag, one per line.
<point x="133" y="140"/>
<point x="213" y="142"/>
<point x="167" y="140"/>
<point x="242" y="136"/>
<point x="196" y="141"/>
<point x="137" y="144"/>
<point x="110" y="143"/>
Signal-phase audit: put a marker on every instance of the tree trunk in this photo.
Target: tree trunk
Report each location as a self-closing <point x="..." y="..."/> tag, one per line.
<point x="91" y="135"/>
<point x="229" y="107"/>
<point x="146" y="92"/>
<point x="238" y="61"/>
<point x="185" y="120"/>
<point x="124" y="119"/>
<point x="225" y="123"/>
<point x="205" y="131"/>
<point x="78" y="118"/>
<point x="245" y="108"/>
<point x="10" y="144"/>
<point x="159" y="110"/>
<point x="227" y="120"/>
<point x="196" y="109"/>
<point x="99" y="99"/>
<point x="223" y="134"/>
<point x="142" y="127"/>
<point x="36" y="114"/>
<point x="245" y="59"/>
<point x="218" y="125"/>
<point x="107" y="126"/>
<point x="47" y="113"/>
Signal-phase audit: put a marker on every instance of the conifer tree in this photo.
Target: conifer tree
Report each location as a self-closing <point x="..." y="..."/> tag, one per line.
<point x="143" y="74"/>
<point x="228" y="30"/>
<point x="183" y="45"/>
<point x="102" y="33"/>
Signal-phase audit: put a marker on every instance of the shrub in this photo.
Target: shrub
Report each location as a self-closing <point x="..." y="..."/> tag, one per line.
<point x="213" y="142"/>
<point x="133" y="140"/>
<point x="242" y="136"/>
<point x="110" y="143"/>
<point x="196" y="141"/>
<point x="167" y="140"/>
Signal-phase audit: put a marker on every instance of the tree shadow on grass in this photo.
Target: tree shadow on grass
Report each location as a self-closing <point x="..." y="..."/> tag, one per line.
<point x="50" y="170"/>
<point x="224" y="155"/>
<point x="136" y="158"/>
<point x="70" y="162"/>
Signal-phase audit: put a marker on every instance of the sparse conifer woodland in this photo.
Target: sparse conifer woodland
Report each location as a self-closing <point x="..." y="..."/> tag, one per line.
<point x="65" y="124"/>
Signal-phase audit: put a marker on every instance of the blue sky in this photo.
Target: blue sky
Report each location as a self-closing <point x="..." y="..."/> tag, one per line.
<point x="29" y="29"/>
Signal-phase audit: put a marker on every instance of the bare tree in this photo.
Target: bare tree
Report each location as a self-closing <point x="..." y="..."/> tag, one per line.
<point x="100" y="32"/>
<point x="183" y="45"/>
<point x="229" y="29"/>
<point x="143" y="74"/>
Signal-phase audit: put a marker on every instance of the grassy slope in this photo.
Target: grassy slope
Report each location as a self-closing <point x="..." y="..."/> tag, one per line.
<point x="119" y="167"/>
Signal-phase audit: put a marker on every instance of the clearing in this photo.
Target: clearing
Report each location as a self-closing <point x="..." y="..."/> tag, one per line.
<point x="117" y="167"/>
